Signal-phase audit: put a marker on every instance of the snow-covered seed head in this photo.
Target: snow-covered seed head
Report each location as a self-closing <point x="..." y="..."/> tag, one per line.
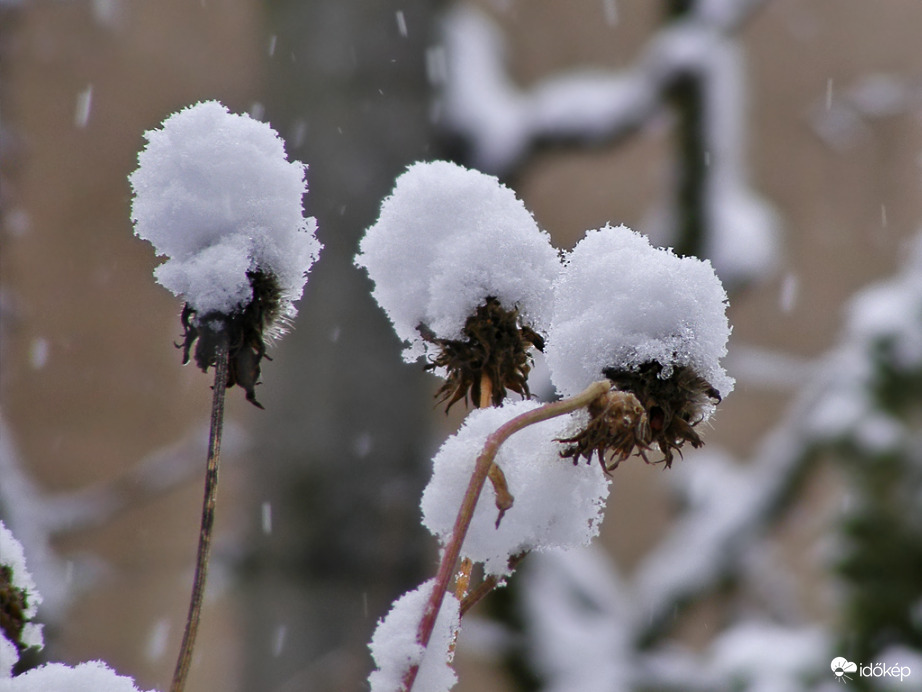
<point x="494" y="354"/>
<point x="651" y="322"/>
<point x="451" y="247"/>
<point x="216" y="194"/>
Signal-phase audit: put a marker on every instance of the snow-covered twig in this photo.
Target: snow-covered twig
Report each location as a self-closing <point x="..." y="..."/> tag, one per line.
<point x="693" y="62"/>
<point x="502" y="122"/>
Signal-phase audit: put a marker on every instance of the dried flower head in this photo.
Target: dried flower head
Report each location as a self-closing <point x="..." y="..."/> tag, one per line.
<point x="247" y="332"/>
<point x="644" y="409"/>
<point x="215" y="194"/>
<point x="617" y="426"/>
<point x="494" y="351"/>
<point x="447" y="238"/>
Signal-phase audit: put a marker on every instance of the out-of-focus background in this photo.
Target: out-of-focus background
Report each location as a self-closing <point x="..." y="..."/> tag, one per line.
<point x="780" y="138"/>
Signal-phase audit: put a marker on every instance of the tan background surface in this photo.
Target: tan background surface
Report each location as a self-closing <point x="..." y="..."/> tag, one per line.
<point x="90" y="383"/>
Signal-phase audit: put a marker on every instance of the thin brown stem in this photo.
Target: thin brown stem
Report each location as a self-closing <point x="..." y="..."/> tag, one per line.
<point x="208" y="509"/>
<point x="466" y="512"/>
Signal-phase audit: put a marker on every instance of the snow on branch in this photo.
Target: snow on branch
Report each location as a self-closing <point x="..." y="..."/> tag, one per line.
<point x="500" y="123"/>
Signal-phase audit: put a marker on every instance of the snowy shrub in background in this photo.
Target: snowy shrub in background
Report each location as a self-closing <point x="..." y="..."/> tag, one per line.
<point x="19" y="601"/>
<point x="635" y="337"/>
<point x="215" y="193"/>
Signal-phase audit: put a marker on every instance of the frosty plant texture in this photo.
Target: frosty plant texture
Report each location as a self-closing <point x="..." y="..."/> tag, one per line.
<point x="634" y="336"/>
<point x="215" y="193"/>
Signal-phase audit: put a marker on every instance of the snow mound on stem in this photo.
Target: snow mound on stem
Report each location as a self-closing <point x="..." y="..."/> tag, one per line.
<point x="557" y="504"/>
<point x="395" y="648"/>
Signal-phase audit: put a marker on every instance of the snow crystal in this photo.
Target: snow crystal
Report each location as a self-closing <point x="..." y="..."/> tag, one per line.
<point x="395" y="648"/>
<point x="446" y="239"/>
<point x="621" y="303"/>
<point x="214" y="192"/>
<point x="94" y="676"/>
<point x="84" y="105"/>
<point x="557" y="504"/>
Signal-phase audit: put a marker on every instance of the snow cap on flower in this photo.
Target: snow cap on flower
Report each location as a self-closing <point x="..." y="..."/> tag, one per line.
<point x="395" y="649"/>
<point x="557" y="504"/>
<point x="447" y="239"/>
<point x="215" y="193"/>
<point x="624" y="306"/>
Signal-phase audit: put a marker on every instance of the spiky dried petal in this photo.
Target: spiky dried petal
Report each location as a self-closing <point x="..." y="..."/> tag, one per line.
<point x="495" y="346"/>
<point x="617" y="427"/>
<point x="674" y="405"/>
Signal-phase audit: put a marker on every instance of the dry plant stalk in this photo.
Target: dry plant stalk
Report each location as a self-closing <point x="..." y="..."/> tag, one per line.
<point x="184" y="660"/>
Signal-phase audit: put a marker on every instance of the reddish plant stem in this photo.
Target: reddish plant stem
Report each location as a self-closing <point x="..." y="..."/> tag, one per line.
<point x="475" y="486"/>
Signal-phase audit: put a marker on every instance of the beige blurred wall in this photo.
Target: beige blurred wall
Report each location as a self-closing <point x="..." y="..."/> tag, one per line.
<point x="91" y="383"/>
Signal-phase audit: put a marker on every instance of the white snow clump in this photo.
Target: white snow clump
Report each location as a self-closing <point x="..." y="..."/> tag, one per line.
<point x="13" y="564"/>
<point x="215" y="192"/>
<point x="621" y="303"/>
<point x="446" y="239"/>
<point x="93" y="676"/>
<point x="557" y="504"/>
<point x="395" y="649"/>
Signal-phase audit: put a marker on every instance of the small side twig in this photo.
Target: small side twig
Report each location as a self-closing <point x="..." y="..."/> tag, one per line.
<point x="484" y="588"/>
<point x="475" y="486"/>
<point x="208" y="507"/>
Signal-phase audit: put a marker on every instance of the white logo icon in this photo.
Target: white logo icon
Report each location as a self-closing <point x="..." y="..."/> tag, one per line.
<point x="841" y="666"/>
